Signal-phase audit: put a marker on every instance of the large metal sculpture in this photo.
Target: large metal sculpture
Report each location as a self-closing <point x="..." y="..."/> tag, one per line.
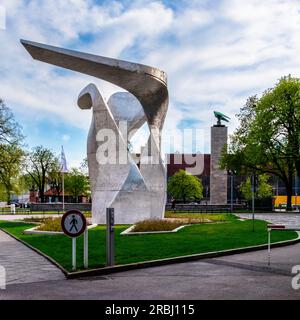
<point x="137" y="191"/>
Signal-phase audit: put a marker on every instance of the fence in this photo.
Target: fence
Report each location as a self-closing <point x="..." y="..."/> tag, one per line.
<point x="49" y="207"/>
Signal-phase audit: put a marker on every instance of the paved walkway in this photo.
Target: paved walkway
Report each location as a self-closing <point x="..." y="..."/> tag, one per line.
<point x="277" y="218"/>
<point x="23" y="265"/>
<point x="11" y="217"/>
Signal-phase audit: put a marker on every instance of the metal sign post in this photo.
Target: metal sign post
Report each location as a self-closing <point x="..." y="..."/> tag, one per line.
<point x="110" y="237"/>
<point x="86" y="249"/>
<point x="269" y="246"/>
<point x="73" y="224"/>
<point x="73" y="254"/>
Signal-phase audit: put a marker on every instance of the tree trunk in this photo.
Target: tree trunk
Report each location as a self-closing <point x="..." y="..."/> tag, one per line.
<point x="8" y="189"/>
<point x="42" y="191"/>
<point x="289" y="193"/>
<point x="42" y="195"/>
<point x="297" y="164"/>
<point x="8" y="196"/>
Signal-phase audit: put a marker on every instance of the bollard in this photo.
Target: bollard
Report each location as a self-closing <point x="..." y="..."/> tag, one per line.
<point x="110" y="237"/>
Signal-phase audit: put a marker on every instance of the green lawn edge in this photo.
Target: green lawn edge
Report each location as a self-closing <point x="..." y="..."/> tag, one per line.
<point x="194" y="239"/>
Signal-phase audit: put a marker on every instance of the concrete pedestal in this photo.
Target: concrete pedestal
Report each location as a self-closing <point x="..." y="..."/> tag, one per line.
<point x="218" y="178"/>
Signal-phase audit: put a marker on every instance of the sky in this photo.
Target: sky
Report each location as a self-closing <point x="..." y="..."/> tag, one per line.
<point x="216" y="54"/>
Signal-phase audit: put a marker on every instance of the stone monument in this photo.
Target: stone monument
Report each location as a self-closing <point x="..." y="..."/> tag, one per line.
<point x="218" y="177"/>
<point x="135" y="191"/>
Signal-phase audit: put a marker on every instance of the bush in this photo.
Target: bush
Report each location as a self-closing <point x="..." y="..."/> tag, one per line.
<point x="156" y="225"/>
<point x="184" y="186"/>
<point x="36" y="220"/>
<point x="51" y="224"/>
<point x="47" y="224"/>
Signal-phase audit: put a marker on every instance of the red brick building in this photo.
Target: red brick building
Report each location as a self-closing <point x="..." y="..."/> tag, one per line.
<point x="52" y="196"/>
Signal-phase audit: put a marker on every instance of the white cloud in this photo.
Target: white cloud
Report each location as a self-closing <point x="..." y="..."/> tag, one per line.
<point x="34" y="85"/>
<point x="215" y="55"/>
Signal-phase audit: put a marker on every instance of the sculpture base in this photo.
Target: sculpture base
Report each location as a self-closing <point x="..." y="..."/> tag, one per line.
<point x="129" y="207"/>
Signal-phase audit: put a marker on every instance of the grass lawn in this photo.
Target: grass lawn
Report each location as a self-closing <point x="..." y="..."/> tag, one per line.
<point x="216" y="217"/>
<point x="190" y="240"/>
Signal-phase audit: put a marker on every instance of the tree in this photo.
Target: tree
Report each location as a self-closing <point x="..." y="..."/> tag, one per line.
<point x="264" y="189"/>
<point x="10" y="131"/>
<point x="76" y="183"/>
<point x="10" y="168"/>
<point x="11" y="153"/>
<point x="2" y="193"/>
<point x="54" y="177"/>
<point x="40" y="162"/>
<point x="268" y="138"/>
<point x="183" y="185"/>
<point x="84" y="168"/>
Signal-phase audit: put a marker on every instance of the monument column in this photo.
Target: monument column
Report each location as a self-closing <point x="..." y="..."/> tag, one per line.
<point x="218" y="178"/>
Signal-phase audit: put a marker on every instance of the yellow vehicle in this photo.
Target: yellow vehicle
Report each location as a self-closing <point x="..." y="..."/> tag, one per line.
<point x="282" y="200"/>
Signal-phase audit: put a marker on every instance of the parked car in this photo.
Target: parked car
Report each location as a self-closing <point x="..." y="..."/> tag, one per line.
<point x="15" y="203"/>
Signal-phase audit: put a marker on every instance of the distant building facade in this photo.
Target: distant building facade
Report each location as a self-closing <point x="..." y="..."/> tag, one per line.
<point x="278" y="185"/>
<point x="52" y="196"/>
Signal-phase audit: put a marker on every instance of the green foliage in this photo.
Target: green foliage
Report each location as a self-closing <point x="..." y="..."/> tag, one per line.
<point x="10" y="167"/>
<point x="11" y="154"/>
<point x="51" y="224"/>
<point x="10" y="131"/>
<point x="3" y="196"/>
<point x="156" y="225"/>
<point x="183" y="185"/>
<point x="264" y="189"/>
<point x="54" y="177"/>
<point x="268" y="138"/>
<point x="40" y="162"/>
<point x="77" y="183"/>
